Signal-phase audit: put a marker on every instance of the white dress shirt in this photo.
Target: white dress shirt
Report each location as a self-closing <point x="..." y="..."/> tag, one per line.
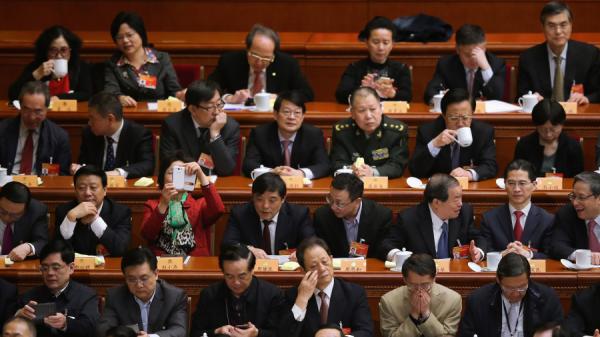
<point x="98" y="226"/>
<point x="299" y="314"/>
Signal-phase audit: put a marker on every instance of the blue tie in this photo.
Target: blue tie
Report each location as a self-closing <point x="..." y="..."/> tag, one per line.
<point x="442" y="247"/>
<point x="109" y="165"/>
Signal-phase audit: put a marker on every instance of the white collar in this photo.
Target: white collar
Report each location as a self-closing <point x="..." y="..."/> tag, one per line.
<point x="563" y="54"/>
<point x="525" y="209"/>
<point x="115" y="136"/>
<point x="328" y="290"/>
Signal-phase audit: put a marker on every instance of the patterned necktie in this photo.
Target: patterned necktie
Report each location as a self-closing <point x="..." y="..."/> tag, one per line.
<point x="27" y="154"/>
<point x="442" y="246"/>
<point x="518" y="230"/>
<point x="257" y="86"/>
<point x="286" y="152"/>
<point x="558" y="89"/>
<point x="324" y="307"/>
<point x="7" y="240"/>
<point x="267" y="237"/>
<point x="109" y="165"/>
<point x="592" y="239"/>
<point x="455" y="155"/>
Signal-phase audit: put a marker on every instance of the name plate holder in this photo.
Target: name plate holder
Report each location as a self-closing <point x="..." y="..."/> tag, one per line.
<point x="375" y="183"/>
<point x="464" y="182"/>
<point x="117" y="182"/>
<point x="168" y="105"/>
<point x="85" y="263"/>
<point x="27" y="180"/>
<point x="570" y="107"/>
<point x="479" y="107"/>
<point x="170" y="263"/>
<point x="267" y="265"/>
<point x="442" y="265"/>
<point x="353" y="266"/>
<point x="293" y="181"/>
<point x="537" y="266"/>
<point x="550" y="183"/>
<point x="398" y="107"/>
<point x="64" y="105"/>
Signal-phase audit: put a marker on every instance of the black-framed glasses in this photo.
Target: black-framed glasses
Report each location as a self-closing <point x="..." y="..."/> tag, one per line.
<point x="217" y="107"/>
<point x="464" y="118"/>
<point x="572" y="196"/>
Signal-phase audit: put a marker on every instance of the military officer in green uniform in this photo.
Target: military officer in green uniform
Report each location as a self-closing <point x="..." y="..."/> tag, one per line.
<point x="380" y="140"/>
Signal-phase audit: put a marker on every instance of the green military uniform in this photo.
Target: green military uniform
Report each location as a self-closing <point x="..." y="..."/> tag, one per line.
<point x="386" y="149"/>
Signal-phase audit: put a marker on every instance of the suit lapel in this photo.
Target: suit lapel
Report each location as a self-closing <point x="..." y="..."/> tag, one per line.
<point x="313" y="316"/>
<point x="121" y="157"/>
<point x="155" y="308"/>
<point x="569" y="76"/>
<point x="530" y="224"/>
<point x="426" y="229"/>
<point x="275" y="145"/>
<point x="364" y="224"/>
<point x="42" y="146"/>
<point x="453" y="231"/>
<point x="134" y="315"/>
<point x="13" y="141"/>
<point x="459" y="70"/>
<point x="255" y="225"/>
<point x="337" y="305"/>
<point x="282" y="228"/>
<point x="543" y="66"/>
<point x="505" y="221"/>
<point x="188" y="132"/>
<point x="297" y="149"/>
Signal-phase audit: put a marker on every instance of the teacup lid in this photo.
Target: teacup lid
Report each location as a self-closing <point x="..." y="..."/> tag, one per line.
<point x="529" y="95"/>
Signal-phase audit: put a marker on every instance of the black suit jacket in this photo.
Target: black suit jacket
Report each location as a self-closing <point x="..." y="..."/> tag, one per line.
<point x="450" y="74"/>
<point x="134" y="150"/>
<point x="497" y="230"/>
<point x="178" y="133"/>
<point x="80" y="301"/>
<point x="569" y="233"/>
<point x="308" y="150"/>
<point x="53" y="142"/>
<point x="116" y="236"/>
<point x="583" y="316"/>
<point x="375" y="222"/>
<point x="282" y="75"/>
<point x="293" y="226"/>
<point x="264" y="305"/>
<point x="414" y="230"/>
<point x="168" y="316"/>
<point x="484" y="310"/>
<point x="583" y="62"/>
<point x="8" y="300"/>
<point x="32" y="227"/>
<point x="482" y="152"/>
<point x="569" y="154"/>
<point x="348" y="305"/>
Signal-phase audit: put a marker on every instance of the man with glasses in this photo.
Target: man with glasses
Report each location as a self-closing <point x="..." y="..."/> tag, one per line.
<point x="19" y="327"/>
<point x="421" y="307"/>
<point x="381" y="141"/>
<point x="289" y="146"/>
<point x="261" y="68"/>
<point x="29" y="140"/>
<point x="349" y="221"/>
<point x="514" y="306"/>
<point x="93" y="223"/>
<point x="518" y="226"/>
<point x="576" y="224"/>
<point x="203" y="130"/>
<point x="560" y="68"/>
<point x="437" y="149"/>
<point x="153" y="306"/>
<point x="23" y="222"/>
<point x="241" y="305"/>
<point x="75" y="310"/>
<point x="268" y="224"/>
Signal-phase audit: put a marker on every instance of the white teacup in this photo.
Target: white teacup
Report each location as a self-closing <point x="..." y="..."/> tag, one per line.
<point x="262" y="101"/>
<point x="400" y="258"/>
<point x="493" y="259"/>
<point x="583" y="257"/>
<point x="61" y="67"/>
<point x="259" y="171"/>
<point x="345" y="169"/>
<point x="528" y="101"/>
<point x="464" y="137"/>
<point x="437" y="101"/>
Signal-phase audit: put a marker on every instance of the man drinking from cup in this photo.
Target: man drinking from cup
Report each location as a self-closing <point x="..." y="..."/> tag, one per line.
<point x="454" y="143"/>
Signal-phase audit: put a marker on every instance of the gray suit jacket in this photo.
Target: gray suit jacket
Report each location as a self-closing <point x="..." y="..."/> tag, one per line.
<point x="168" y="316"/>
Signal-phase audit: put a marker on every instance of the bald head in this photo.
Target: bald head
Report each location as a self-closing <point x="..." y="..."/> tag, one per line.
<point x="18" y="327"/>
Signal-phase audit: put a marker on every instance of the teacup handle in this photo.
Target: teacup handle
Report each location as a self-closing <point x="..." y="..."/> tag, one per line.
<point x="520" y="101"/>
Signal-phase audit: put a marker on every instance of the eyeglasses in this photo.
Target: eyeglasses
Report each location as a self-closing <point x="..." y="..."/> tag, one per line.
<point x="213" y="108"/>
<point x="134" y="281"/>
<point x="514" y="290"/>
<point x="520" y="183"/>
<point x="53" y="52"/>
<point x="420" y="286"/>
<point x="336" y="204"/>
<point x="128" y="36"/>
<point x="54" y="267"/>
<point x="572" y="196"/>
<point x="291" y="113"/>
<point x="261" y="58"/>
<point x="12" y="216"/>
<point x="464" y="118"/>
<point x="561" y="26"/>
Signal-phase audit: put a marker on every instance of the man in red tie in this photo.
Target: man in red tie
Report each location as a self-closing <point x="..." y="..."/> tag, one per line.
<point x="518" y="226"/>
<point x="576" y="224"/>
<point x="23" y="222"/>
<point x="29" y="139"/>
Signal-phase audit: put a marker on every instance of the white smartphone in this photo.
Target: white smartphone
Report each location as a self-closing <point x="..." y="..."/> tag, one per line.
<point x="182" y="181"/>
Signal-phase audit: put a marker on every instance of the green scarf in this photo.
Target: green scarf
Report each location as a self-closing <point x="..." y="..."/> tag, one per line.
<point x="177" y="217"/>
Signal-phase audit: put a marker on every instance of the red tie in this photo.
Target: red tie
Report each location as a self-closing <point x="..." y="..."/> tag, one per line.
<point x="518" y="231"/>
<point x="27" y="154"/>
<point x="7" y="240"/>
<point x="592" y="239"/>
<point x="257" y="87"/>
<point x="267" y="237"/>
<point x="324" y="307"/>
<point x="286" y="152"/>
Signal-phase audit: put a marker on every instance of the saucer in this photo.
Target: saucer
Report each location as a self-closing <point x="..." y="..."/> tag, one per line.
<point x="500" y="183"/>
<point x="414" y="182"/>
<point x="572" y="266"/>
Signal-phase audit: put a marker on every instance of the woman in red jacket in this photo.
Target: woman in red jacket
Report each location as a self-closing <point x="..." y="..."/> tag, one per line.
<point x="177" y="223"/>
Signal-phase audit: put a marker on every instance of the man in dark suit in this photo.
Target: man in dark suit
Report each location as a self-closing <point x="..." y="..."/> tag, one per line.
<point x="241" y="304"/>
<point x="472" y="68"/>
<point x="320" y="298"/>
<point x="576" y="225"/>
<point x="8" y="300"/>
<point x="268" y="224"/>
<point x="288" y="145"/>
<point x="518" y="226"/>
<point x="30" y="134"/>
<point x="202" y="130"/>
<point x="261" y="67"/>
<point x="348" y="219"/>
<point x="437" y="224"/>
<point x="513" y="306"/>
<point x="23" y="222"/>
<point x="92" y="223"/>
<point x="576" y="77"/>
<point x="76" y="312"/>
<point x="583" y="319"/>
<point x="437" y="149"/>
<point x="155" y="306"/>
<point x="121" y="147"/>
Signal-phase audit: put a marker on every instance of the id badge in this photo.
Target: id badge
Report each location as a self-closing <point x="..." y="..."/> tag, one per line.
<point x="577" y="88"/>
<point x="147" y="81"/>
<point x="205" y="160"/>
<point x="358" y="249"/>
<point x="50" y="169"/>
<point x="460" y="252"/>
